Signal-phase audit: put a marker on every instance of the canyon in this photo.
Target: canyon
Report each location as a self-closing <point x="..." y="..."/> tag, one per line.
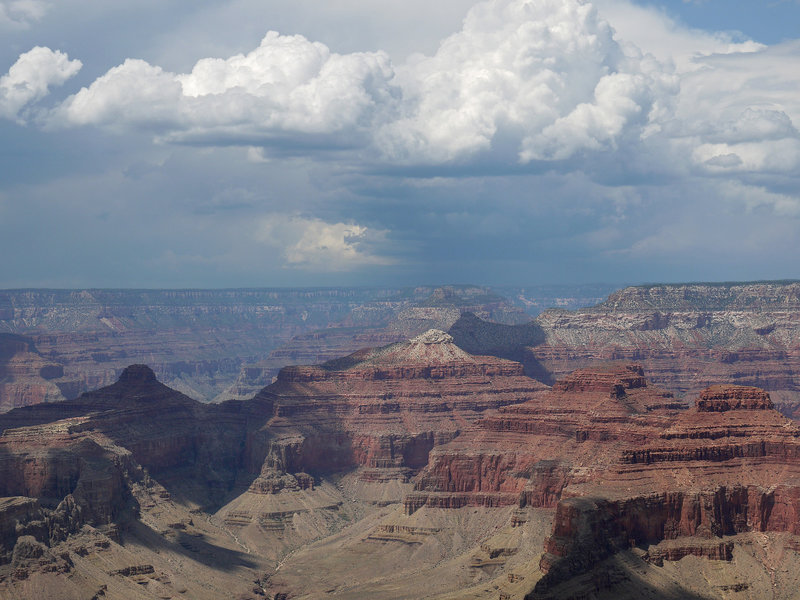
<point x="452" y="448"/>
<point x="212" y="344"/>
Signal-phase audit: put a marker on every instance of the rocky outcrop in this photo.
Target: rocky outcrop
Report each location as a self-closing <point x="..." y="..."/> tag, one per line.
<point x="26" y="377"/>
<point x="528" y="453"/>
<point x="687" y="337"/>
<point x="385" y="409"/>
<point x="729" y="466"/>
<point x="721" y="398"/>
<point x="54" y="461"/>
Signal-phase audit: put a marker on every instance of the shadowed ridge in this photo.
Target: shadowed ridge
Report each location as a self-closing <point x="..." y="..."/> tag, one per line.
<point x="137" y="386"/>
<point x="511" y="342"/>
<point x="137" y="374"/>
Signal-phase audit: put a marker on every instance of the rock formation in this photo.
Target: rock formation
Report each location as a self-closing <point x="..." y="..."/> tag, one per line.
<point x="385" y="409"/>
<point x="80" y="476"/>
<point x="368" y="327"/>
<point x="196" y="340"/>
<point x="526" y="454"/>
<point x="687" y="337"/>
<point x="729" y="466"/>
<point x="420" y="455"/>
<point x="137" y="450"/>
<point x="28" y="378"/>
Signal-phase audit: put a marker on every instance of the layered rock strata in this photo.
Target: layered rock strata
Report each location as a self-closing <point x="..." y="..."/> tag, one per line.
<point x="196" y="340"/>
<point x="687" y="337"/>
<point x="26" y="377"/>
<point x="385" y="409"/>
<point x="528" y="453"/>
<point x="729" y="466"/>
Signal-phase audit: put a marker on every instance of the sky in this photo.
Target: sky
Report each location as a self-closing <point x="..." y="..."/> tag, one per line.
<point x="252" y="143"/>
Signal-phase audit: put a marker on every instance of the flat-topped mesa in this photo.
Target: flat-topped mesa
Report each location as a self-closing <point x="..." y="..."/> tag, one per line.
<point x="706" y="296"/>
<point x="729" y="466"/>
<point x="728" y="421"/>
<point x="613" y="379"/>
<point x="720" y="398"/>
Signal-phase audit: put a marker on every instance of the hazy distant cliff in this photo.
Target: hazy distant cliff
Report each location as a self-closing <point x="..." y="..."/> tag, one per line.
<point x="687" y="336"/>
<point x="195" y="339"/>
<point x="198" y="340"/>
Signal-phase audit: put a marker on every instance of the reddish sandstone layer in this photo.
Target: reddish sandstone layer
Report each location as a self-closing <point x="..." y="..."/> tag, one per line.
<point x="387" y="408"/>
<point x="529" y="452"/>
<point x="382" y="409"/>
<point x="730" y="465"/>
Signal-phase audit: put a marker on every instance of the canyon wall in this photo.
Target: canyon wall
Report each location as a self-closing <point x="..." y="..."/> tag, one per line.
<point x="687" y="337"/>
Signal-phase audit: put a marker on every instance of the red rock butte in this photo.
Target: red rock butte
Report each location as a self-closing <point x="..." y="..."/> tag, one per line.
<point x="719" y="398"/>
<point x="527" y="453"/>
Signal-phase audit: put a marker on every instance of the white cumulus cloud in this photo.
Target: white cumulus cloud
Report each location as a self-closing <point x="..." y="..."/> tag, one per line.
<point x="547" y="73"/>
<point x="30" y="78"/>
<point x="522" y="81"/>
<point x="316" y="244"/>
<point x="286" y="85"/>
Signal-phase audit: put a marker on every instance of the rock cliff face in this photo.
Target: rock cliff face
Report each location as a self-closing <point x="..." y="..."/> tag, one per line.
<point x="385" y="409"/>
<point x="197" y="451"/>
<point x="526" y="454"/>
<point x="28" y="378"/>
<point x="687" y="337"/>
<point x="729" y="466"/>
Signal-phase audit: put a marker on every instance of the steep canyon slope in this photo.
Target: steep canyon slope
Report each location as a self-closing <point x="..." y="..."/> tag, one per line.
<point x="603" y="487"/>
